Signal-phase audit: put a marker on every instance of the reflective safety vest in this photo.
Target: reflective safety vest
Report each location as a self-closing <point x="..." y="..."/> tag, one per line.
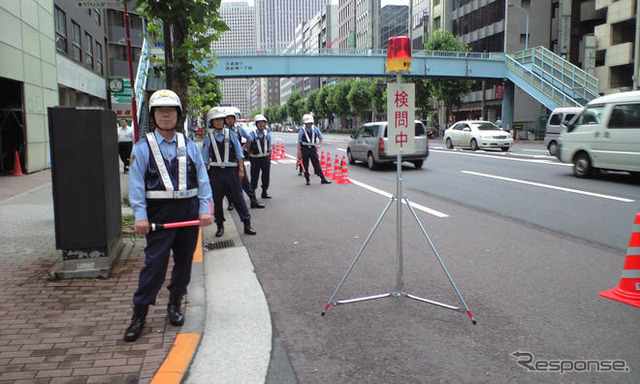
<point x="307" y="142"/>
<point x="260" y="147"/>
<point x="169" y="191"/>
<point x="228" y="160"/>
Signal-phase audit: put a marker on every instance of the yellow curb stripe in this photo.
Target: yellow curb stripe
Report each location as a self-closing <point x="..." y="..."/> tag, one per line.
<point x="178" y="359"/>
<point x="197" y="254"/>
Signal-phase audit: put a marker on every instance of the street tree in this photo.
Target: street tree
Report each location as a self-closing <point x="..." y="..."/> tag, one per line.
<point x="295" y="106"/>
<point x="310" y="102"/>
<point x="359" y="99"/>
<point x="186" y="28"/>
<point x="449" y="92"/>
<point x="339" y="100"/>
<point x="378" y="93"/>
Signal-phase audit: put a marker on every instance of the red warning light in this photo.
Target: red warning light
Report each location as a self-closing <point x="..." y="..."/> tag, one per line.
<point x="399" y="54"/>
<point x="399" y="47"/>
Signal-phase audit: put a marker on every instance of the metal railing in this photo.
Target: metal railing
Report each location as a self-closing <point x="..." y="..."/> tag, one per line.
<point x="573" y="80"/>
<point x="141" y="77"/>
<point x="545" y="87"/>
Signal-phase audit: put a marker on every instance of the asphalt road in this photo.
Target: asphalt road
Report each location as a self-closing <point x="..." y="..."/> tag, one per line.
<point x="531" y="290"/>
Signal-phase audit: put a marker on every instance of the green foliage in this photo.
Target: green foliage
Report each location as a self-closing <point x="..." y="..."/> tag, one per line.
<point x="310" y="101"/>
<point x="320" y="104"/>
<point x="450" y="92"/>
<point x="186" y="28"/>
<point x="339" y="100"/>
<point x="205" y="93"/>
<point x="378" y="93"/>
<point x="423" y="97"/>
<point x="295" y="106"/>
<point x="358" y="97"/>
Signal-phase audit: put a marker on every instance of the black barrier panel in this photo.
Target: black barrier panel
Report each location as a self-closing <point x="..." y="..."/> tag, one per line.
<point x="86" y="181"/>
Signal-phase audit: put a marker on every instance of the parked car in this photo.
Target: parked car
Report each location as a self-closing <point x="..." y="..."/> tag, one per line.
<point x="369" y="144"/>
<point x="477" y="134"/>
<point x="605" y="135"/>
<point x="553" y="128"/>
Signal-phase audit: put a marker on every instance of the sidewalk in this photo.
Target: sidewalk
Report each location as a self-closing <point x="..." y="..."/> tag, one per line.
<point x="70" y="331"/>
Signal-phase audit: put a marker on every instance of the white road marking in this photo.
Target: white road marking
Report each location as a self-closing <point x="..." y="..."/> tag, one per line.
<point x="503" y="157"/>
<point x="571" y="190"/>
<point x="388" y="195"/>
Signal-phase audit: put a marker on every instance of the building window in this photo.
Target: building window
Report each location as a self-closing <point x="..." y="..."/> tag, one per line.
<point x="61" y="30"/>
<point x="96" y="16"/>
<point x="98" y="62"/>
<point x="77" y="41"/>
<point x="88" y="50"/>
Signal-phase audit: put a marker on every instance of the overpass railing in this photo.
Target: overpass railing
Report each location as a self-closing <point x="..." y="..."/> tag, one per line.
<point x="573" y="80"/>
<point x="545" y="87"/>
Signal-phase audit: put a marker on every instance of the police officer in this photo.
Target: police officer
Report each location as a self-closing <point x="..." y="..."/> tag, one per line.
<point x="168" y="183"/>
<point x="259" y="144"/>
<point x="223" y="155"/>
<point x="308" y="138"/>
<point x="230" y="122"/>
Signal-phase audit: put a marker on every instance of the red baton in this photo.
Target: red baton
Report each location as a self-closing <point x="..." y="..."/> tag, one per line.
<point x="157" y="227"/>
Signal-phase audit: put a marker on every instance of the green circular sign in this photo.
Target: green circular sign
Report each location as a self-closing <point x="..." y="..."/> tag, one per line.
<point x="116" y="84"/>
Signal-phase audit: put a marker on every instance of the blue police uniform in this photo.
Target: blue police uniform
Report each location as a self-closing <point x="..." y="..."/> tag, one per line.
<point x="308" y="138"/>
<point x="223" y="174"/>
<point x="246" y="186"/>
<point x="260" y="157"/>
<point x="150" y="201"/>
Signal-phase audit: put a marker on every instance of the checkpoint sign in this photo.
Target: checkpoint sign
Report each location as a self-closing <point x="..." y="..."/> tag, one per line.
<point x="401" y="112"/>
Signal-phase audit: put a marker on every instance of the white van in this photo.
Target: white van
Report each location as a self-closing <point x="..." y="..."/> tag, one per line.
<point x="605" y="135"/>
<point x="558" y="117"/>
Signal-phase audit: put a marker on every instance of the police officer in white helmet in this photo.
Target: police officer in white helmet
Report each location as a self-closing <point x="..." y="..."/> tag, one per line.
<point x="168" y="183"/>
<point x="259" y="144"/>
<point x="223" y="155"/>
<point x="309" y="138"/>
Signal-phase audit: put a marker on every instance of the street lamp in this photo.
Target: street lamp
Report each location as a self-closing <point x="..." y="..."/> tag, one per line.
<point x="526" y="28"/>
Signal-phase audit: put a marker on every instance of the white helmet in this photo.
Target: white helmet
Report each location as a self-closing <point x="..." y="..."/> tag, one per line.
<point x="260" y="117"/>
<point x="164" y="98"/>
<point x="215" y="113"/>
<point x="307" y="118"/>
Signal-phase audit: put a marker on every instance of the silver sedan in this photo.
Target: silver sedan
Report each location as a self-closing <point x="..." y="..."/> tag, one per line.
<point x="477" y="134"/>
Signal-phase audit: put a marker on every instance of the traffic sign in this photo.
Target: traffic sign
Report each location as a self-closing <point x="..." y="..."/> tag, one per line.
<point x="401" y="115"/>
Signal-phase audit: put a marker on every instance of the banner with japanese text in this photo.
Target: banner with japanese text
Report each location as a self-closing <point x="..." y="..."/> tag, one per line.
<point x="401" y="115"/>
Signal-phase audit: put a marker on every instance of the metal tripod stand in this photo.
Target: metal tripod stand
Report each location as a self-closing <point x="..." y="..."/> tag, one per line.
<point x="399" y="292"/>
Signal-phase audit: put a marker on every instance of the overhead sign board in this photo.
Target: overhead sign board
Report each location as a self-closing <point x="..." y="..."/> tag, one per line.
<point x="401" y="116"/>
<point x="99" y="4"/>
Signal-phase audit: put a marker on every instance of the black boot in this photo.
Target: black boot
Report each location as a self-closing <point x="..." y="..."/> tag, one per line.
<point x="325" y="181"/>
<point x="230" y="206"/>
<point x="173" y="310"/>
<point x="306" y="177"/>
<point x="220" y="230"/>
<point x="248" y="229"/>
<point x="265" y="195"/>
<point x="256" y="204"/>
<point x="137" y="322"/>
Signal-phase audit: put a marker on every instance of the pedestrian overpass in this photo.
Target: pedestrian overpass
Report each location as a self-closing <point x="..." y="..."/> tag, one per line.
<point x="548" y="78"/>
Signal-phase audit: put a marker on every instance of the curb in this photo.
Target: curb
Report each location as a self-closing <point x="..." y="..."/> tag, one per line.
<point x="180" y="356"/>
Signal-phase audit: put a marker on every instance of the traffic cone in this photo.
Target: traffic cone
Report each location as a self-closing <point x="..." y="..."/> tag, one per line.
<point x="336" y="169"/>
<point x="344" y="172"/>
<point x="283" y="154"/>
<point x="628" y="291"/>
<point x="328" y="171"/>
<point x="274" y="154"/>
<point x="323" y="164"/>
<point x="17" y="169"/>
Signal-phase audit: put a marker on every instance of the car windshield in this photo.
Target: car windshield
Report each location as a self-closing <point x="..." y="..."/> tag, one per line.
<point x="487" y="127"/>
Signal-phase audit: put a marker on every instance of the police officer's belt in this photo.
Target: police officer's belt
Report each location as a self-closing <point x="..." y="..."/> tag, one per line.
<point x="228" y="164"/>
<point x="308" y="144"/>
<point x="172" y="194"/>
<point x="259" y="155"/>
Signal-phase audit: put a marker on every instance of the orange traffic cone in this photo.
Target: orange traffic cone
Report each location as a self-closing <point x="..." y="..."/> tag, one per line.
<point x="344" y="172"/>
<point x="283" y="154"/>
<point x="275" y="155"/>
<point x="628" y="291"/>
<point x="323" y="164"/>
<point x="328" y="172"/>
<point x="336" y="169"/>
<point x="17" y="169"/>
